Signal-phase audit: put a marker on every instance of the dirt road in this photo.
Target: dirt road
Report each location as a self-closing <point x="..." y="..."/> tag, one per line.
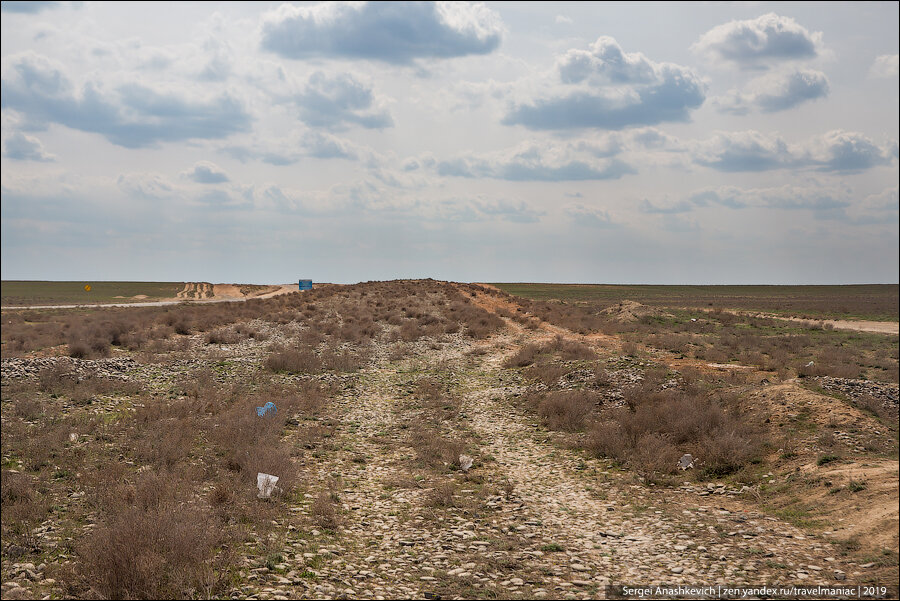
<point x="533" y="519"/>
<point x="193" y="294"/>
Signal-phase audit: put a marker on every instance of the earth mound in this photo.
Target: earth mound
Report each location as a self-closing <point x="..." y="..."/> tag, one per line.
<point x="627" y="311"/>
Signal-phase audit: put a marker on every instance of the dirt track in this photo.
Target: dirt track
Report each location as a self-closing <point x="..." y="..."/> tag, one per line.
<point x="193" y="292"/>
<point x="861" y="325"/>
<point x="568" y="524"/>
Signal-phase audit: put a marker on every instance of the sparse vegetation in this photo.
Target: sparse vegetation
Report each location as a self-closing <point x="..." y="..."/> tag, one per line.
<point x="131" y="446"/>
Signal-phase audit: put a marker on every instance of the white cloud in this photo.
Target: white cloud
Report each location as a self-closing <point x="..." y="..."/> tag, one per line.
<point x="130" y="114"/>
<point x="836" y="151"/>
<point x="205" y="172"/>
<point x="759" y="43"/>
<point x="588" y="216"/>
<point x="885" y="66"/>
<point x="776" y="92"/>
<point x="543" y="161"/>
<point x="21" y="147"/>
<point x="607" y="88"/>
<point x="340" y="101"/>
<point x="397" y="33"/>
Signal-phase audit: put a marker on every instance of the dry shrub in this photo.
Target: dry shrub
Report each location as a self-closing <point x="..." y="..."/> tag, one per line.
<point x="223" y="336"/>
<point x="569" y="350"/>
<point x="630" y="349"/>
<point x="164" y="443"/>
<point x="57" y="379"/>
<point x="567" y="410"/>
<point x="15" y="487"/>
<point x="885" y="411"/>
<point x="524" y="357"/>
<point x="561" y="348"/>
<point x="224" y="493"/>
<point x="401" y="481"/>
<point x="23" y="507"/>
<point x="343" y="360"/>
<point x="601" y="377"/>
<point x="153" y="545"/>
<point x="324" y="513"/>
<point x="28" y="408"/>
<point x="164" y="552"/>
<point x="441" y="496"/>
<point x="399" y="351"/>
<point x="429" y="389"/>
<point x="44" y="446"/>
<point x="294" y="361"/>
<point x="655" y="454"/>
<point x="434" y="450"/>
<point x="89" y="341"/>
<point x="268" y="459"/>
<point x="199" y="385"/>
<point x="677" y="422"/>
<point x="250" y="444"/>
<point x="548" y="373"/>
<point x="606" y="440"/>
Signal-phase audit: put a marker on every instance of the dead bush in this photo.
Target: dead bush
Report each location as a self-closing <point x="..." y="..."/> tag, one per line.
<point x="547" y="373"/>
<point x="606" y="440"/>
<point x="441" y="496"/>
<point x="23" y="507"/>
<point x="630" y="349"/>
<point x="434" y="450"/>
<point x="223" y="336"/>
<point x="343" y="359"/>
<point x="28" y="408"/>
<point x="655" y="454"/>
<point x="671" y="422"/>
<point x="166" y="552"/>
<point x="164" y="443"/>
<point x="294" y="361"/>
<point x="323" y="512"/>
<point x="567" y="410"/>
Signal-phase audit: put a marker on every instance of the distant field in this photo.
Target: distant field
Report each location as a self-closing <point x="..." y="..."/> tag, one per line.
<point x="19" y="292"/>
<point x="869" y="301"/>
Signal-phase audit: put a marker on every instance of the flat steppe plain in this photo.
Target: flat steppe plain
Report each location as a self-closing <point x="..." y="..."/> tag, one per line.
<point x="131" y="445"/>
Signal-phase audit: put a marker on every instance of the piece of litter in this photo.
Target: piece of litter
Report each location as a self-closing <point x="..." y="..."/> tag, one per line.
<point x="465" y="462"/>
<point x="266" y="409"/>
<point x="266" y="485"/>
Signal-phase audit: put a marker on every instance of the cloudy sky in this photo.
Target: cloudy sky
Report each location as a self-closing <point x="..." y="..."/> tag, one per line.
<point x="344" y="142"/>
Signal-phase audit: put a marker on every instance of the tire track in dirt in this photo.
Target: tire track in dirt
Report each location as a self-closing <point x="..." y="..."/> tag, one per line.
<point x="617" y="531"/>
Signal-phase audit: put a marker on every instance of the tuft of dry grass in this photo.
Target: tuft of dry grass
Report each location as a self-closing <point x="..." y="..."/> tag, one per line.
<point x="434" y="450"/>
<point x="323" y="512"/>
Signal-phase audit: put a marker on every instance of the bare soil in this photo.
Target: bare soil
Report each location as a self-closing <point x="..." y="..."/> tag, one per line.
<point x="535" y="517"/>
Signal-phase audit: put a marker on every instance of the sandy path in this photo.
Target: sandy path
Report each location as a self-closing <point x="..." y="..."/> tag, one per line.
<point x="858" y="325"/>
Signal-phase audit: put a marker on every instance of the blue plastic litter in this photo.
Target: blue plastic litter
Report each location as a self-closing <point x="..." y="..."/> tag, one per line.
<point x="266" y="409"/>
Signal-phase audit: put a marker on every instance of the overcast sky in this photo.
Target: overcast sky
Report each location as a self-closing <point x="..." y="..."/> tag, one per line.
<point x="617" y="143"/>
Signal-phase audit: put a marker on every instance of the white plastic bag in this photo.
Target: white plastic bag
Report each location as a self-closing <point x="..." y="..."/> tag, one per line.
<point x="465" y="462"/>
<point x="266" y="485"/>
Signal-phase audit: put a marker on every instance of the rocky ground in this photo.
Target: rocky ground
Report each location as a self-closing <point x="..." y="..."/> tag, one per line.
<point x="531" y="518"/>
